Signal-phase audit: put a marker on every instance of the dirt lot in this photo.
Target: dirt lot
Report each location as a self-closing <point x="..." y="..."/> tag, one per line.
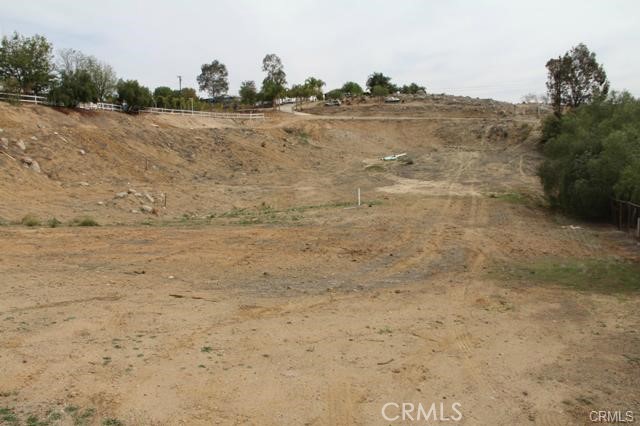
<point x="260" y="294"/>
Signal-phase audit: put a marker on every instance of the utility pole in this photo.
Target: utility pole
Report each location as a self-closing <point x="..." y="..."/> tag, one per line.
<point x="180" y="85"/>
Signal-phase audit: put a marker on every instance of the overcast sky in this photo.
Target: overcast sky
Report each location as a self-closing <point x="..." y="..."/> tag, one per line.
<point x="491" y="49"/>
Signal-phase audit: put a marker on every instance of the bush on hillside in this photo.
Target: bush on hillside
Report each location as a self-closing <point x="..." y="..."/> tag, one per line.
<point x="30" y="220"/>
<point x="73" y="88"/>
<point x="135" y="96"/>
<point x="592" y="154"/>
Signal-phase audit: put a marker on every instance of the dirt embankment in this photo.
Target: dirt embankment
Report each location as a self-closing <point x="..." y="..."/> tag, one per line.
<point x="63" y="164"/>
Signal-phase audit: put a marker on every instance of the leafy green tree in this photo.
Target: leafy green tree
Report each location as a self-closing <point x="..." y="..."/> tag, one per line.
<point x="575" y="78"/>
<point x="248" y="92"/>
<point x="163" y="91"/>
<point x="297" y="91"/>
<point x="334" y="94"/>
<point x="214" y="78"/>
<point x="274" y="84"/>
<point x="379" y="91"/>
<point x="73" y="88"/>
<point x="313" y="87"/>
<point x="26" y="63"/>
<point x="593" y="154"/>
<point x="135" y="96"/>
<point x="352" y="88"/>
<point x="166" y="97"/>
<point x="189" y="93"/>
<point x="413" y="89"/>
<point x="379" y="79"/>
<point x="162" y="96"/>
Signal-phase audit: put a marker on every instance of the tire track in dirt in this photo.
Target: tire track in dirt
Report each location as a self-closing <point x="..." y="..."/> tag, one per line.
<point x="484" y="383"/>
<point x="341" y="405"/>
<point x="430" y="240"/>
<point x="460" y="335"/>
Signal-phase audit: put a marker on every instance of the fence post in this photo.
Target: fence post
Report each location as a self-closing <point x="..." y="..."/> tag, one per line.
<point x="638" y="228"/>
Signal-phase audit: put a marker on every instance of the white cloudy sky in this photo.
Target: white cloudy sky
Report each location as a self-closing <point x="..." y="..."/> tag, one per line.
<point x="478" y="48"/>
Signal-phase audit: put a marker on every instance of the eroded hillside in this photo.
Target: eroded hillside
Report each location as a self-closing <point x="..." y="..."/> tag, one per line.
<point x="83" y="163"/>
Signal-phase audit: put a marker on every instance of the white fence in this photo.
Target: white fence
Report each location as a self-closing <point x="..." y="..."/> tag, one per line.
<point x="114" y="107"/>
<point x="234" y="115"/>
<point x="32" y="99"/>
<point x="100" y="105"/>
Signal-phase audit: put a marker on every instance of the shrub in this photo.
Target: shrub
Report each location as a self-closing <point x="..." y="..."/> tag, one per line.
<point x="592" y="155"/>
<point x="53" y="223"/>
<point x="30" y="220"/>
<point x="135" y="96"/>
<point x="73" y="88"/>
<point x="84" y="221"/>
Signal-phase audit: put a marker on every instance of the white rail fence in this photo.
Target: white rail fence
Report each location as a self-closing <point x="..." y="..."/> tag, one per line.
<point x="33" y="99"/>
<point x="235" y="115"/>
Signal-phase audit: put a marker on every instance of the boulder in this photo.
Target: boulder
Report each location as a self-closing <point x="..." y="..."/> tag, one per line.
<point x="20" y="144"/>
<point x="121" y="194"/>
<point x="147" y="209"/>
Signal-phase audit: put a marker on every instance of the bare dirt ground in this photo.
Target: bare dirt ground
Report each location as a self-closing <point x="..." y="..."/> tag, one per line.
<point x="261" y="295"/>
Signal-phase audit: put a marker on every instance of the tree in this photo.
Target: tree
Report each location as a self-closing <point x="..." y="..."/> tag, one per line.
<point x="298" y="91"/>
<point x="73" y="88"/>
<point x="313" y="87"/>
<point x="188" y="93"/>
<point x="26" y="62"/>
<point x="162" y="96"/>
<point x="593" y="155"/>
<point x="214" y="78"/>
<point x="575" y="79"/>
<point x="379" y="79"/>
<point x="413" y="89"/>
<point x="334" y="94"/>
<point x="248" y="92"/>
<point x="70" y="60"/>
<point x="135" y="96"/>
<point x="102" y="74"/>
<point x="352" y="88"/>
<point x="379" y="91"/>
<point x="273" y="85"/>
<point x="103" y="77"/>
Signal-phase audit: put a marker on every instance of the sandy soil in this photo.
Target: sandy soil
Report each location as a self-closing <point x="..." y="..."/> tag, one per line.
<point x="301" y="308"/>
